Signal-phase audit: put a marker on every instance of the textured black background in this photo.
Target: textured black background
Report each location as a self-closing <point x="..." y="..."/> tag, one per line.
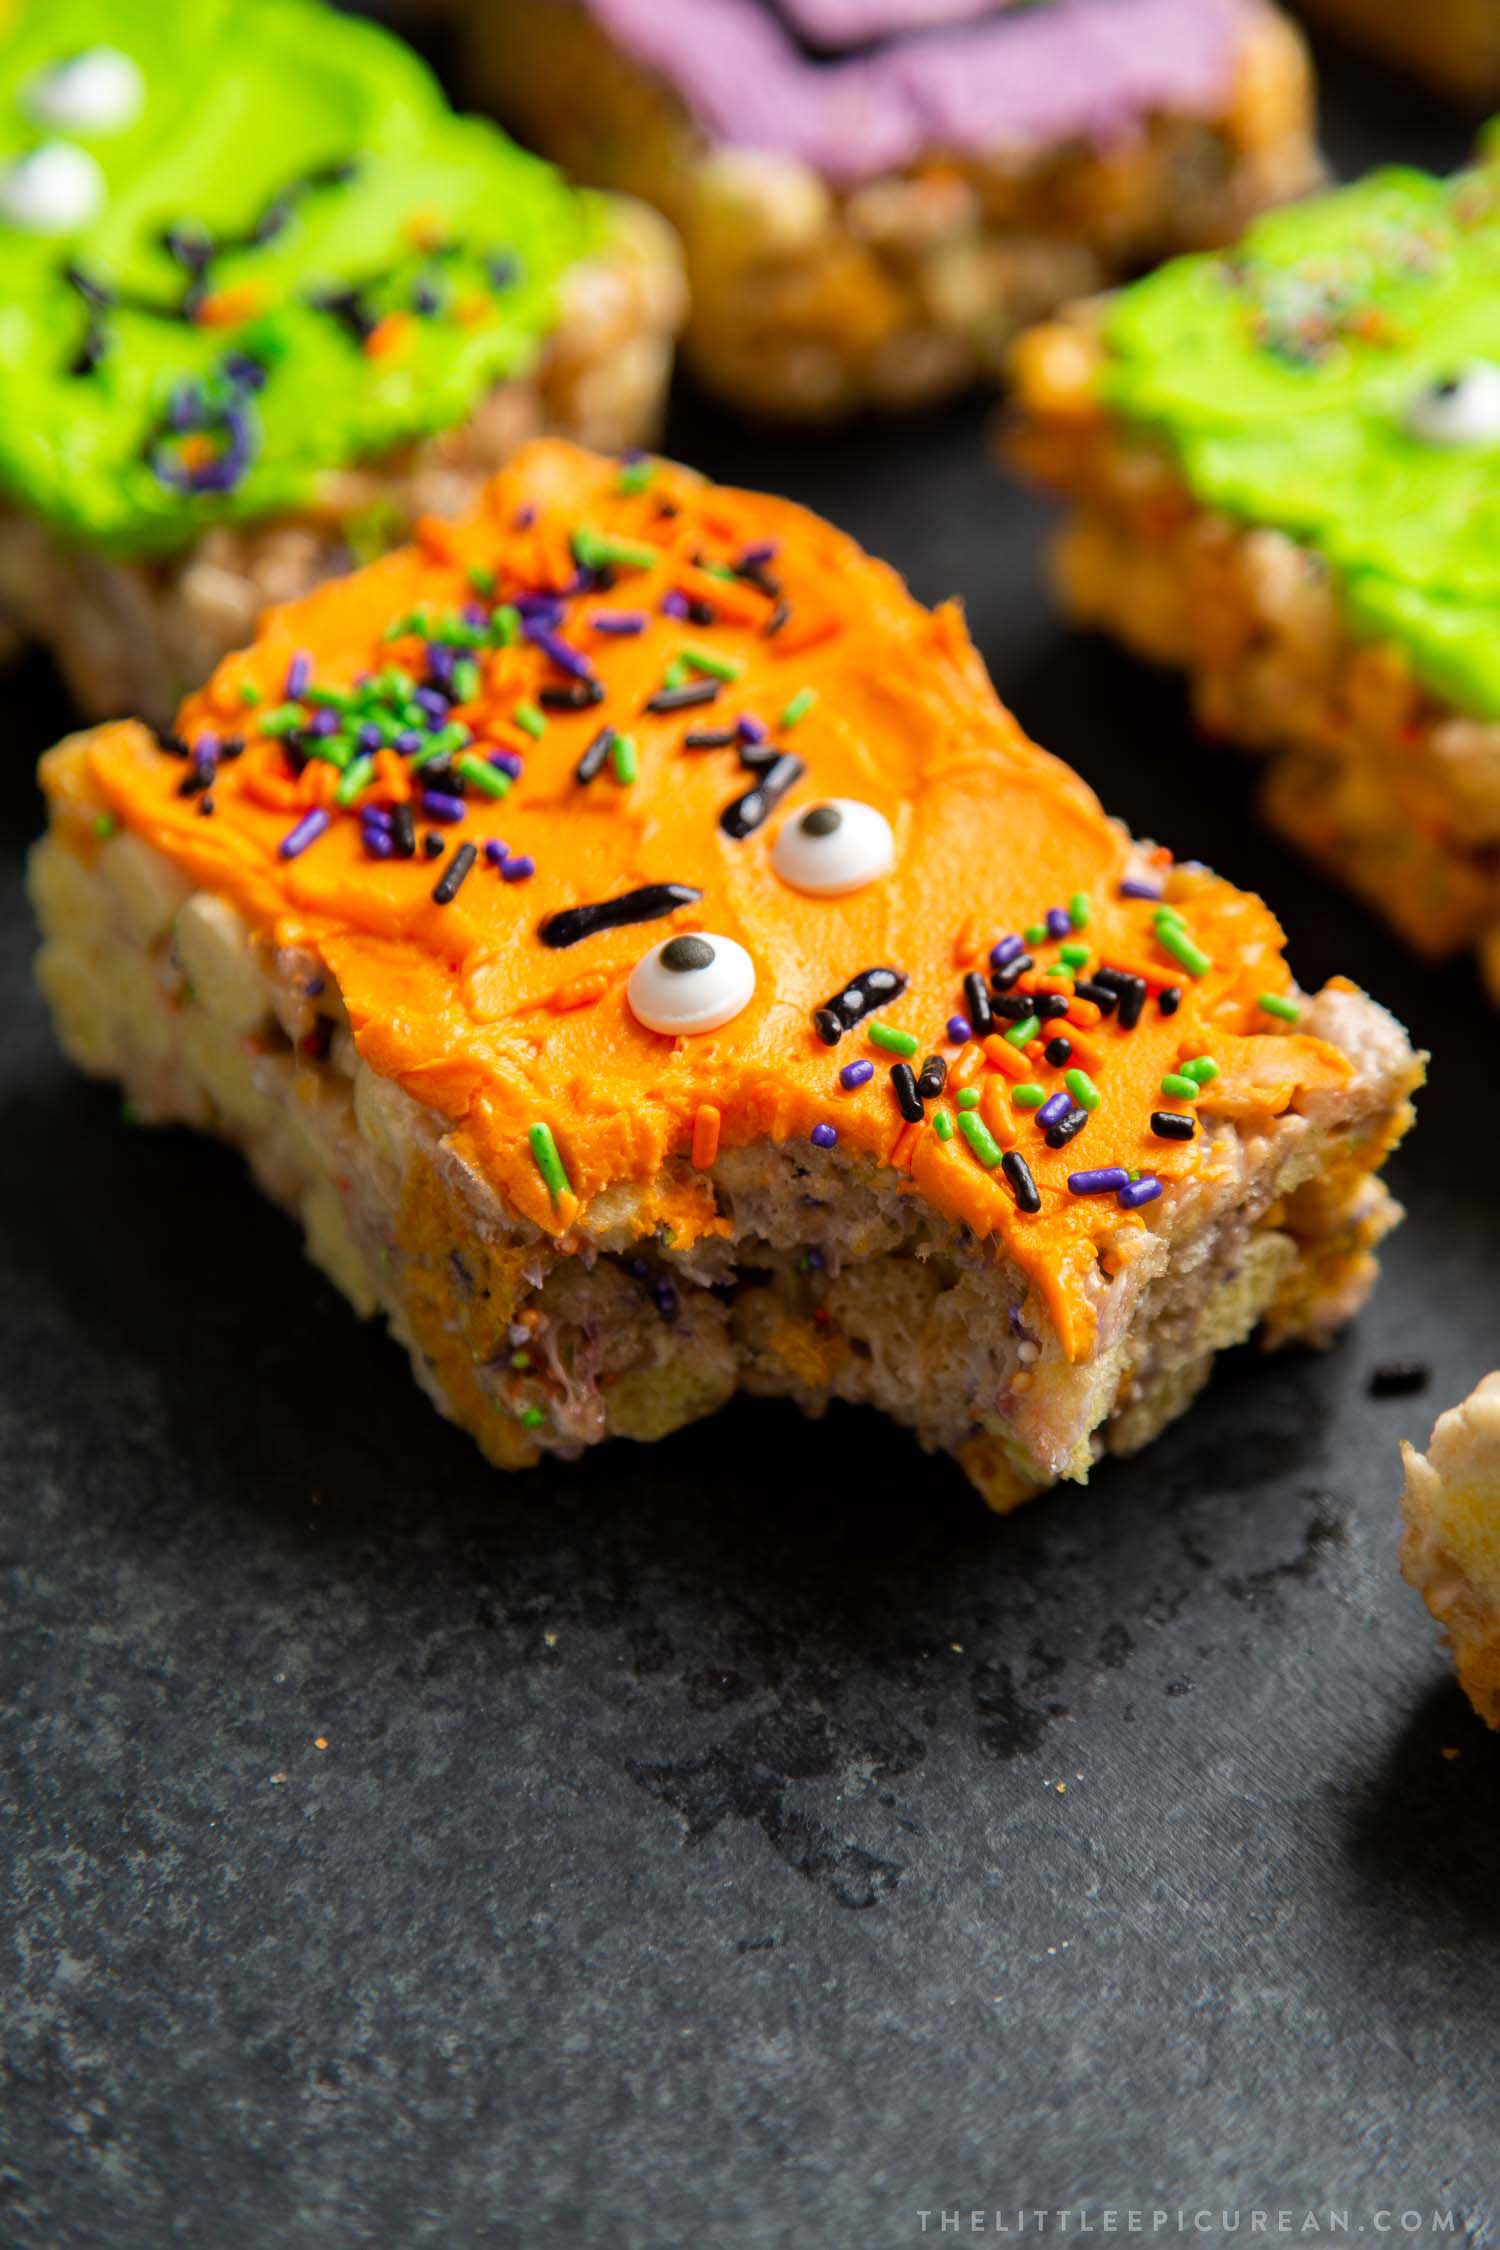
<point x="673" y="1850"/>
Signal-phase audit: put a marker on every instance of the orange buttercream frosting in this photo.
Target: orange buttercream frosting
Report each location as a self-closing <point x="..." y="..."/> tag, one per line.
<point x="880" y="700"/>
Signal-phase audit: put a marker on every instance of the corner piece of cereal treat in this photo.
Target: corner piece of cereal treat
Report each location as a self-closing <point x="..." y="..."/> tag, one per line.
<point x="1451" y="1551"/>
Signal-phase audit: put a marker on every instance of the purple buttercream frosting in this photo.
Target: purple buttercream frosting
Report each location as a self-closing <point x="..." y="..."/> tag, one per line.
<point x="1077" y="69"/>
<point x="856" y="23"/>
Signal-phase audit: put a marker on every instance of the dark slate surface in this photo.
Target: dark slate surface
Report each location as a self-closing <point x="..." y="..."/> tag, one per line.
<point x="674" y="1850"/>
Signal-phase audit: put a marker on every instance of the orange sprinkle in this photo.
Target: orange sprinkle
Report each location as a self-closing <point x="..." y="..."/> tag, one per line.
<point x="966" y="1063"/>
<point x="471" y="308"/>
<point x="580" y="992"/>
<point x="967" y="943"/>
<point x="995" y="1109"/>
<point x="392" y="777"/>
<point x="1085" y="1054"/>
<point x="1004" y="1057"/>
<point x="731" y="601"/>
<point x="226" y="308"/>
<point x="389" y="336"/>
<point x="706" y="1126"/>
<point x="905" y="1144"/>
<point x="1085" y="1012"/>
<point x="426" y="228"/>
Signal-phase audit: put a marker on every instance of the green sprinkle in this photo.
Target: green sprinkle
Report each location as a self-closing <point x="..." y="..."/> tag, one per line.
<point x="1074" y="956"/>
<point x="1078" y="910"/>
<point x="636" y="476"/>
<point x="465" y="680"/>
<point x="968" y="1097"/>
<point x="533" y="1418"/>
<point x="356" y="774"/>
<point x="980" y="1139"/>
<point x="327" y="698"/>
<point x="529" y="719"/>
<point x="707" y="660"/>
<point x="675" y="675"/>
<point x="284" y="719"/>
<point x="717" y="570"/>
<point x="1082" y="1088"/>
<point x="547" y="1161"/>
<point x="520" y="1361"/>
<point x="250" y="694"/>
<point x="481" y="775"/>
<point x="1182" y="949"/>
<point x="1276" y="1004"/>
<point x="333" y="749"/>
<point x="1028" y="1096"/>
<point x="1020" y="1033"/>
<point x="482" y="579"/>
<point x="942" y="1125"/>
<point x="1178" y="1087"/>
<point x="801" y="703"/>
<point x="1036" y="933"/>
<point x="505" y="626"/>
<point x="1169" y="914"/>
<point x="594" y="552"/>
<point x="894" y="1042"/>
<point x="622" y="756"/>
<point x="105" y="825"/>
<point x="1201" y="1069"/>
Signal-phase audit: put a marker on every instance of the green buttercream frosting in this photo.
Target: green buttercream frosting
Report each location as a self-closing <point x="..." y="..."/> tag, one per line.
<point x="1286" y="379"/>
<point x="314" y="158"/>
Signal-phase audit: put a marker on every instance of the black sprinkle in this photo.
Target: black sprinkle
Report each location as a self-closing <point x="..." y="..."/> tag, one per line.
<point x="687" y="697"/>
<point x="702" y="613"/>
<point x="1172" y="1125"/>
<point x="433" y="845"/>
<point x="745" y="814"/>
<point x="871" y="989"/>
<point x="1170" y="1000"/>
<point x="581" y="695"/>
<point x="1399" y="1378"/>
<point x="1049" y="1005"/>
<point x="977" y="1005"/>
<point x="445" y="889"/>
<point x="1013" y="1007"/>
<point x="206" y="807"/>
<point x="403" y="831"/>
<point x="1018" y="1172"/>
<point x="1004" y="978"/>
<point x="904" y="1086"/>
<point x="1067" y="1128"/>
<point x="933" y="1078"/>
<point x="776" y="620"/>
<point x="648" y="904"/>
<point x="1104" y="996"/>
<point x="173" y="745"/>
<point x="591" y="764"/>
<point x="1058" y="1051"/>
<point x="711" y="738"/>
<point x="193" y="784"/>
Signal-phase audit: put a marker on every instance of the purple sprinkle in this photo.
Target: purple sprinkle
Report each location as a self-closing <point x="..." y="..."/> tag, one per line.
<point x="1130" y="888"/>
<point x="378" y="843"/>
<point x="1054" y="1109"/>
<point x="517" y="869"/>
<point x="475" y="614"/>
<point x="525" y="515"/>
<point x="824" y="1136"/>
<point x="435" y="705"/>
<point x="375" y="816"/>
<point x="959" y="1029"/>
<point x="674" y="604"/>
<point x="666" y="1299"/>
<point x="856" y="1074"/>
<point x="508" y="762"/>
<point x="569" y="660"/>
<point x="307" y="831"/>
<point x="1059" y="921"/>
<point x="407" y="741"/>
<point x="496" y="852"/>
<point x="764" y="551"/>
<point x="542" y="609"/>
<point x="438" y="805"/>
<point x="298" y="675"/>
<point x="1139" y="1191"/>
<point x="184" y="407"/>
<point x="323" y="721"/>
<point x="1005" y="950"/>
<point x="440" y="662"/>
<point x="314" y="986"/>
<point x="1106" y="1181"/>
<point x="369" y="736"/>
<point x="751" y="728"/>
<point x="619" y="621"/>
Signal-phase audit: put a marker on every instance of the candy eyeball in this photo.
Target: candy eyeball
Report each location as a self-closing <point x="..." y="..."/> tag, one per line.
<point x="689" y="984"/>
<point x="839" y="845"/>
<point x="98" y="91"/>
<point x="1459" y="409"/>
<point x="54" y="189"/>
